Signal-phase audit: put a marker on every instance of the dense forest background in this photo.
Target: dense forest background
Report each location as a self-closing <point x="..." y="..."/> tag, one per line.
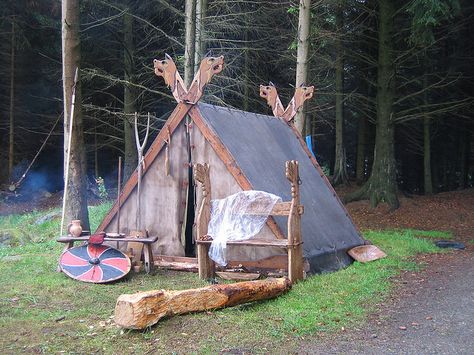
<point x="431" y="54"/>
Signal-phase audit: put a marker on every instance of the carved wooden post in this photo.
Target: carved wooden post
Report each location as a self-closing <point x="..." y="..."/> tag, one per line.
<point x="205" y="264"/>
<point x="302" y="94"/>
<point x="166" y="69"/>
<point x="270" y="93"/>
<point x="208" y="68"/>
<point x="295" y="244"/>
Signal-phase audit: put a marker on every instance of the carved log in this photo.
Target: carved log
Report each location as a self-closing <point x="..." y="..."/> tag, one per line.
<point x="302" y="94"/>
<point x="143" y="309"/>
<point x="166" y="68"/>
<point x="209" y="67"/>
<point x="206" y="265"/>
<point x="270" y="93"/>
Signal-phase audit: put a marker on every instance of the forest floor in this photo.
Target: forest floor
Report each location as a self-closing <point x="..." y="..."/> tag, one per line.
<point x="447" y="211"/>
<point x="416" y="300"/>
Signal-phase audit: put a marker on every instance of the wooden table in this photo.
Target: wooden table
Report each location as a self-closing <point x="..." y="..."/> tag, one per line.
<point x="147" y="246"/>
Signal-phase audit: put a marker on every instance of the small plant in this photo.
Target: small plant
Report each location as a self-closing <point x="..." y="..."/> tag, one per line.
<point x="103" y="194"/>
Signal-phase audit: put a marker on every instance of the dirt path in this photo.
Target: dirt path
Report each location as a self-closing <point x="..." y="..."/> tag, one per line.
<point x="431" y="312"/>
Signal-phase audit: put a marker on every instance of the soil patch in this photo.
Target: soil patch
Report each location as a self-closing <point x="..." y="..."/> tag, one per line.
<point x="448" y="211"/>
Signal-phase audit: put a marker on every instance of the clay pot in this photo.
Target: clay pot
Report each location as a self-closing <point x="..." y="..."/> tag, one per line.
<point x="74" y="228"/>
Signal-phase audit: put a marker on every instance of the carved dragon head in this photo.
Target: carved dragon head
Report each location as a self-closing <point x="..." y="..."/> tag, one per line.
<point x="209" y="67"/>
<point x="302" y="94"/>
<point x="166" y="68"/>
<point x="269" y="92"/>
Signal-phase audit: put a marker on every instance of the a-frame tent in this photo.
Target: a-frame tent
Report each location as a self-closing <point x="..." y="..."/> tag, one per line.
<point x="245" y="151"/>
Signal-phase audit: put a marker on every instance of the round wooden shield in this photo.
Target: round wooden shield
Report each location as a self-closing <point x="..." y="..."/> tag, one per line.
<point x="94" y="263"/>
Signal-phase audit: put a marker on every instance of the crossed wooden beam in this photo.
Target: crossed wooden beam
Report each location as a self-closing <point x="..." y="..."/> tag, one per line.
<point x="166" y="68"/>
<point x="210" y="66"/>
<point x="269" y="92"/>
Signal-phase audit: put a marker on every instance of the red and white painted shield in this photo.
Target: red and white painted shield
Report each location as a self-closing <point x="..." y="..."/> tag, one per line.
<point x="94" y="263"/>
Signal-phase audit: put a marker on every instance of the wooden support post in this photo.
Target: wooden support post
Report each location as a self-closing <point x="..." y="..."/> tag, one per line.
<point x="295" y="245"/>
<point x="207" y="267"/>
<point x="205" y="264"/>
<point x="143" y="309"/>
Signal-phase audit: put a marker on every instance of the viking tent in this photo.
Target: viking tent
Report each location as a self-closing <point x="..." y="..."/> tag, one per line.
<point x="245" y="151"/>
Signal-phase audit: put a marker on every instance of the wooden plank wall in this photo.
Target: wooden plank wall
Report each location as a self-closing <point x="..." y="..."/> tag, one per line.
<point x="162" y="199"/>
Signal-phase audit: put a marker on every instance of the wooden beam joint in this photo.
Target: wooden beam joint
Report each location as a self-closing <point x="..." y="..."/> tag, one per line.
<point x="167" y="69"/>
<point x="269" y="92"/>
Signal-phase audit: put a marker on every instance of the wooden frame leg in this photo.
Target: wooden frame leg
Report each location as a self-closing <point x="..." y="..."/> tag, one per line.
<point x="295" y="263"/>
<point x="205" y="264"/>
<point x="148" y="258"/>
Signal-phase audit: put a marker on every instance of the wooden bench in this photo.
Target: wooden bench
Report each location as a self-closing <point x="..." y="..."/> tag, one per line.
<point x="147" y="246"/>
<point x="292" y="209"/>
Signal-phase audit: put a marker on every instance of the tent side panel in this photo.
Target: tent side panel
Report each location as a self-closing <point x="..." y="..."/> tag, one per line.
<point x="171" y="124"/>
<point x="260" y="145"/>
<point x="162" y="199"/>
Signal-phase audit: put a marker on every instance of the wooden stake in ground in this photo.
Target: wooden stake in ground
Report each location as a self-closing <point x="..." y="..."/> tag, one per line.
<point x="68" y="159"/>
<point x="143" y="309"/>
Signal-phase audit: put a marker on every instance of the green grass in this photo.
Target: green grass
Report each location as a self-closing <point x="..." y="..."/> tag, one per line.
<point x="432" y="234"/>
<point x="33" y="295"/>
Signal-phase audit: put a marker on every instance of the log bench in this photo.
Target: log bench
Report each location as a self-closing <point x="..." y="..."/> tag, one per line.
<point x="292" y="209"/>
<point x="147" y="245"/>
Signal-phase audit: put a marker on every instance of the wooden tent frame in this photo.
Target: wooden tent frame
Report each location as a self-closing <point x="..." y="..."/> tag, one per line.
<point x="186" y="105"/>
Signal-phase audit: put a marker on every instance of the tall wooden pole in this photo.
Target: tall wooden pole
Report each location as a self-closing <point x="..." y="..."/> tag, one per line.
<point x="119" y="190"/>
<point x="68" y="156"/>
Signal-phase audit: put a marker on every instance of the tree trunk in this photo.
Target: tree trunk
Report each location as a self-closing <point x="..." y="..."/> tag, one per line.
<point x="143" y="309"/>
<point x="302" y="55"/>
<point x="11" y="131"/>
<point x="199" y="48"/>
<point x="246" y="98"/>
<point x="361" y="143"/>
<point x="444" y="170"/>
<point x="190" y="40"/>
<point x="428" y="181"/>
<point x="76" y="194"/>
<point x="464" y="147"/>
<point x="382" y="186"/>
<point x="129" y="98"/>
<point x="340" y="171"/>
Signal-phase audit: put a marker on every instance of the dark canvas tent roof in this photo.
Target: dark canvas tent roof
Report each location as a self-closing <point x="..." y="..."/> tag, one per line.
<point x="260" y="145"/>
<point x="247" y="151"/>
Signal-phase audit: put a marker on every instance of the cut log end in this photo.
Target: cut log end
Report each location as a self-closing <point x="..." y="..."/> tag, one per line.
<point x="143" y="309"/>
